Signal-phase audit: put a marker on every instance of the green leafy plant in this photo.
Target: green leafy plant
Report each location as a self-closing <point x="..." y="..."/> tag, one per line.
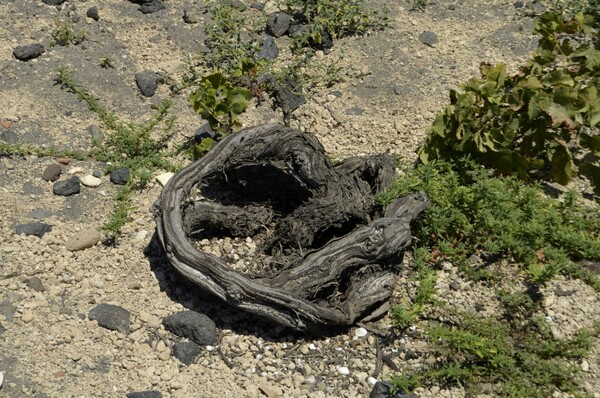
<point x="106" y="62"/>
<point x="220" y="103"/>
<point x="473" y="212"/>
<point x="129" y="145"/>
<point x="63" y="33"/>
<point x="336" y="18"/>
<point x="418" y="5"/>
<point x="540" y="118"/>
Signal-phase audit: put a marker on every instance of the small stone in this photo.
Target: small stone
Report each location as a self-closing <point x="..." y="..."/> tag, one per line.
<point x="186" y="351"/>
<point x="164" y="178"/>
<point x="35" y="284"/>
<point x="371" y="380"/>
<point x="144" y="394"/>
<point x="111" y="317"/>
<point x="27" y="316"/>
<point x="270" y="390"/>
<point x="152" y="6"/>
<point x="68" y="187"/>
<point x="35" y="228"/>
<point x="120" y="176"/>
<point x="192" y="325"/>
<point x="203" y="133"/>
<point x="65" y="161"/>
<point x="360" y="332"/>
<point x="7" y="310"/>
<point x="53" y="2"/>
<point x="91" y="181"/>
<point x="257" y="6"/>
<point x="381" y="389"/>
<point x="519" y="4"/>
<point x="2" y="330"/>
<point x="452" y="7"/>
<point x="147" y="82"/>
<point x="269" y="49"/>
<point x="190" y="17"/>
<point x="454" y="285"/>
<point x="51" y="172"/>
<point x="343" y="370"/>
<point x="585" y="366"/>
<point x="278" y="23"/>
<point x="96" y="134"/>
<point x="428" y="38"/>
<point x="28" y="52"/>
<point x="92" y="13"/>
<point x="9" y="136"/>
<point x="83" y="239"/>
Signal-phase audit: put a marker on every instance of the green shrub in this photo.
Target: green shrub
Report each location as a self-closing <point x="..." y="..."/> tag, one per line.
<point x="539" y="118"/>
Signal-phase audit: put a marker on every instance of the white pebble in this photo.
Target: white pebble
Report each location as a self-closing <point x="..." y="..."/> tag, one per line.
<point x="549" y="319"/>
<point x="75" y="170"/>
<point x="312" y="347"/>
<point x="585" y="366"/>
<point x="1" y="378"/>
<point x="360" y="332"/>
<point x="209" y="348"/>
<point x="163" y="178"/>
<point x="371" y="380"/>
<point x="343" y="370"/>
<point x="310" y="380"/>
<point x="90" y="181"/>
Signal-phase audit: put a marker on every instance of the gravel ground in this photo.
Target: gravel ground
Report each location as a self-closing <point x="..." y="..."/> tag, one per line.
<point x="49" y="284"/>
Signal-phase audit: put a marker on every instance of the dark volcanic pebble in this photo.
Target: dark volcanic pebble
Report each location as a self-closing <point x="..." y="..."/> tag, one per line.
<point x="381" y="389"/>
<point x="428" y="38"/>
<point x="278" y="23"/>
<point x="53" y="2"/>
<point x="120" y="176"/>
<point x="51" y="172"/>
<point x="35" y="228"/>
<point x="2" y="329"/>
<point x="9" y="136"/>
<point x="269" y="49"/>
<point x="92" y="12"/>
<point x="192" y="325"/>
<point x="186" y="351"/>
<point x="36" y="284"/>
<point x="144" y="394"/>
<point x="152" y="6"/>
<point x="147" y="82"/>
<point x="8" y="310"/>
<point x="27" y="52"/>
<point x="68" y="187"/>
<point x="111" y="317"/>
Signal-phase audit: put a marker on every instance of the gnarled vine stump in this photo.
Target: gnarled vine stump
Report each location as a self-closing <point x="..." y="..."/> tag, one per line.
<point x="334" y="255"/>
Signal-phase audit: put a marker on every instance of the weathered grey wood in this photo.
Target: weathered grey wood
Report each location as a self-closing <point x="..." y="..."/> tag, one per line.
<point x="274" y="174"/>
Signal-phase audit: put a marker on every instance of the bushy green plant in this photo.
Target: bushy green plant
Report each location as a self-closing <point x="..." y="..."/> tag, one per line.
<point x="538" y="118"/>
<point x="64" y="34"/>
<point x="131" y="145"/>
<point x="337" y="18"/>
<point x="473" y="212"/>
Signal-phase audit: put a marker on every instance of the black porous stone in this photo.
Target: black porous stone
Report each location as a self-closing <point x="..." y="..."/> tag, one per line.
<point x="111" y="317"/>
<point x="288" y="97"/>
<point x="152" y="6"/>
<point x="144" y="394"/>
<point x="27" y="52"/>
<point x="186" y="351"/>
<point x="147" y="82"/>
<point x="203" y="133"/>
<point x="51" y="172"/>
<point x="381" y="389"/>
<point x="68" y="187"/>
<point x="53" y="2"/>
<point x="269" y="49"/>
<point x="324" y="44"/>
<point x="278" y="23"/>
<point x="92" y="13"/>
<point x="35" y="228"/>
<point x="120" y="176"/>
<point x="257" y="6"/>
<point x="192" y="325"/>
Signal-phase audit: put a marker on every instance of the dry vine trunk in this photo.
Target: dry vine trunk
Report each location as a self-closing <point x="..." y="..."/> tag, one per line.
<point x="340" y="256"/>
